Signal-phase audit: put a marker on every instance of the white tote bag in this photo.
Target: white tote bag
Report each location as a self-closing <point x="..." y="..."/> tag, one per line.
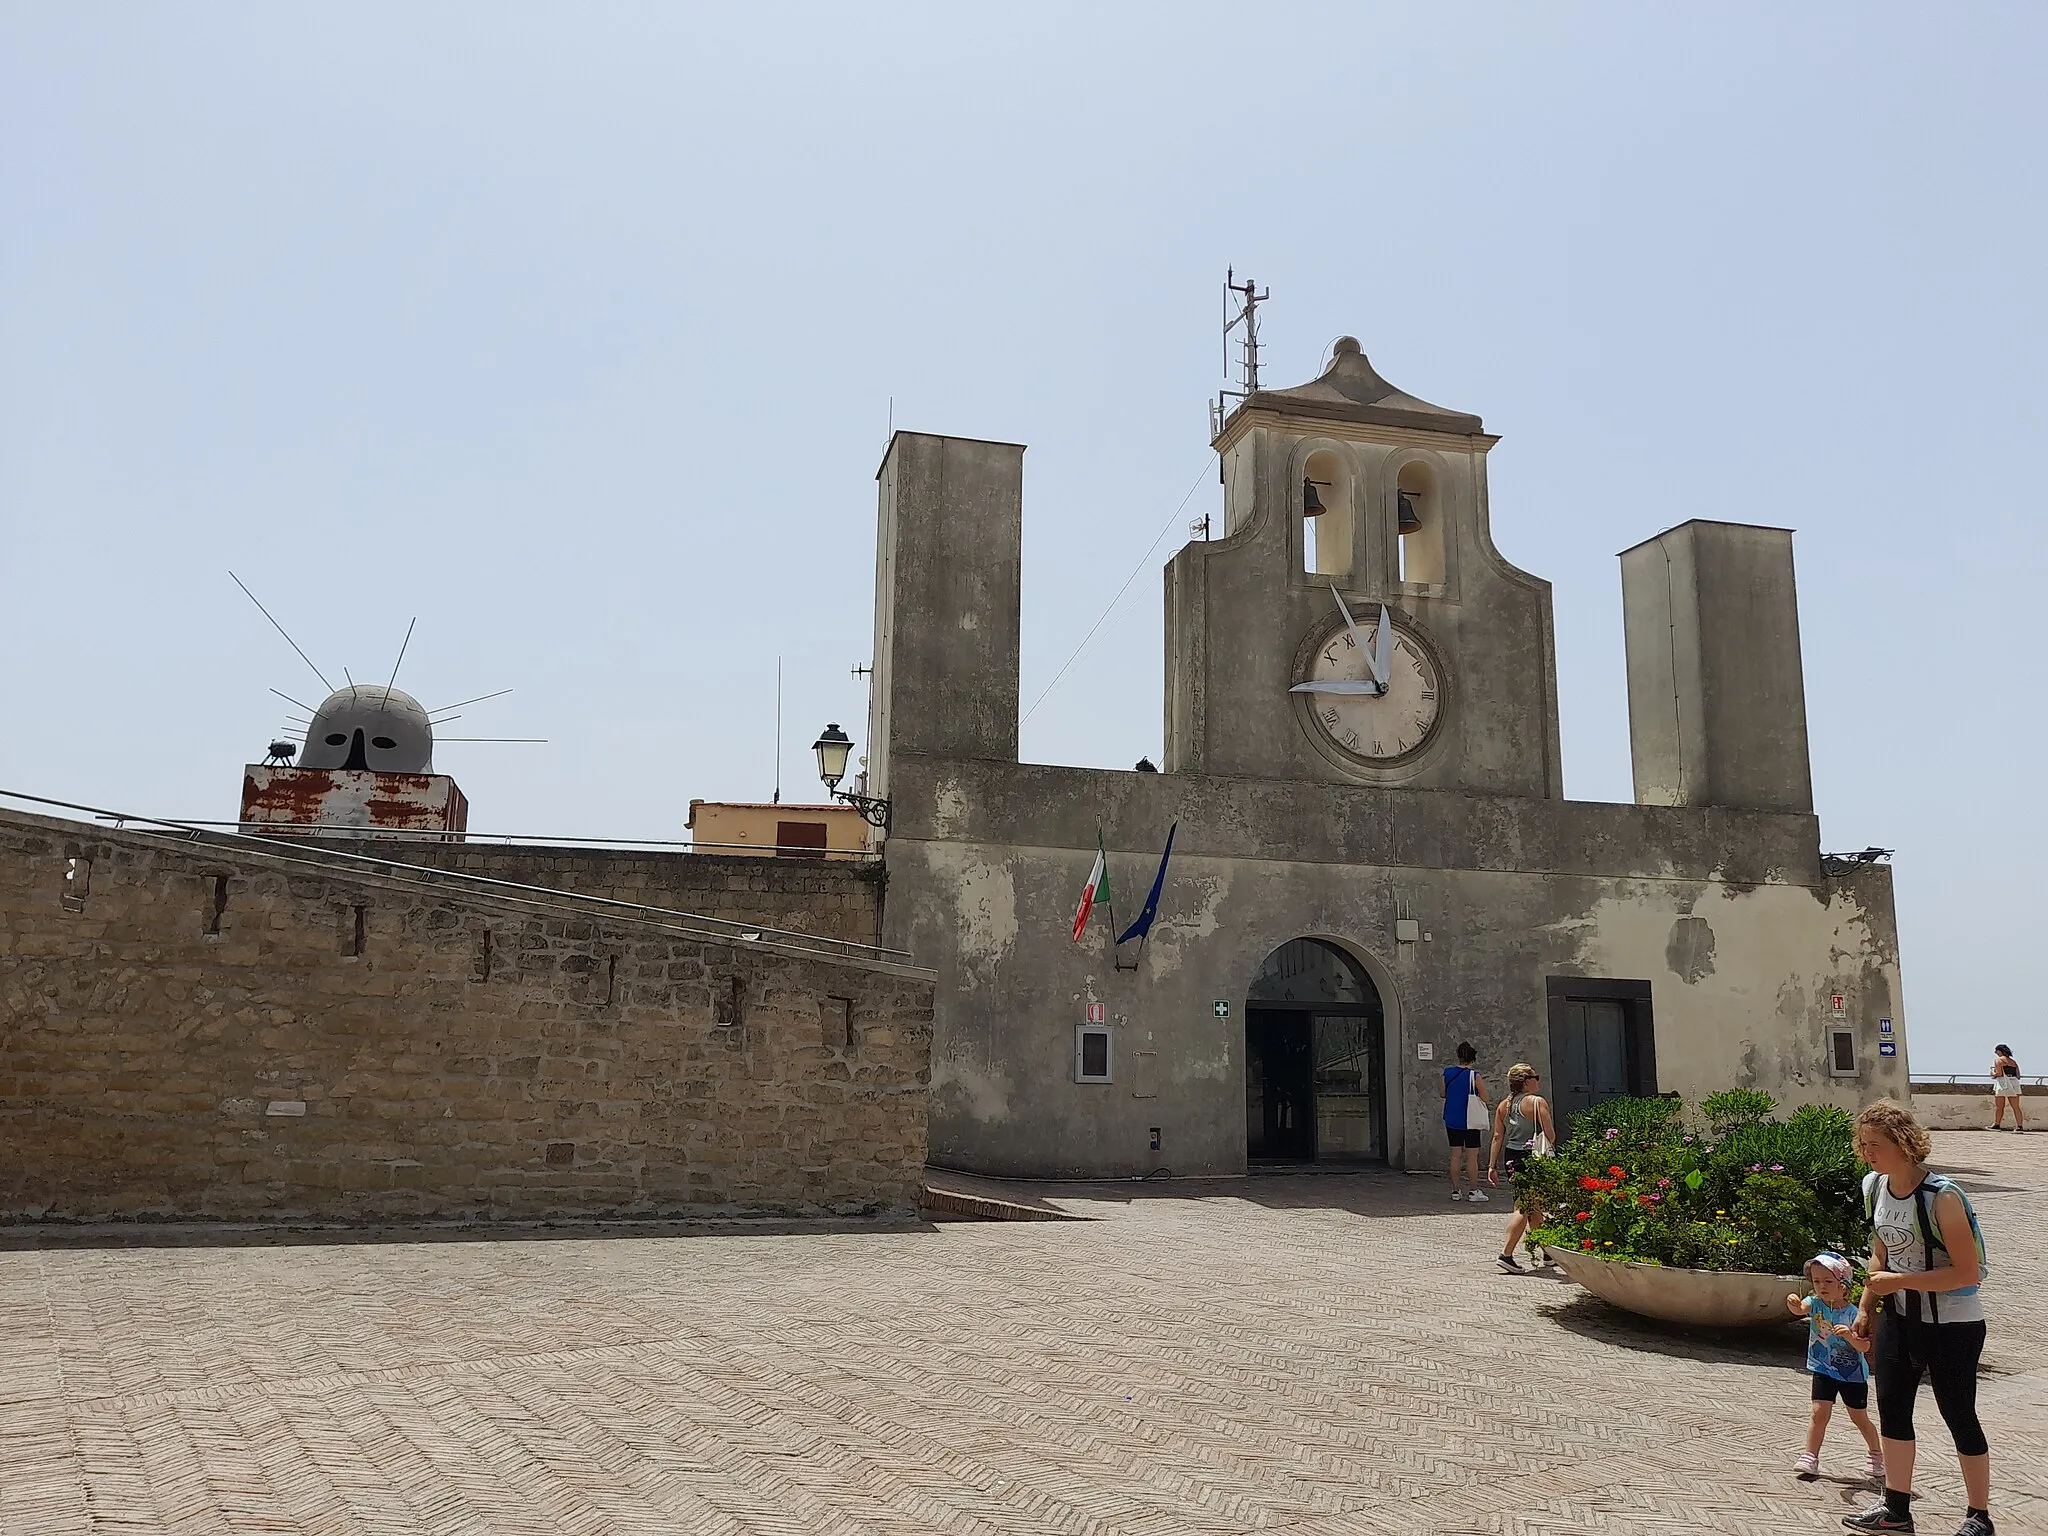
<point x="1477" y="1116"/>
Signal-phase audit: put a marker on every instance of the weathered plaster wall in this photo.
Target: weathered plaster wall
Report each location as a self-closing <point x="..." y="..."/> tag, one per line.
<point x="1238" y="607"/>
<point x="1716" y="687"/>
<point x="213" y="1030"/>
<point x="1724" y="913"/>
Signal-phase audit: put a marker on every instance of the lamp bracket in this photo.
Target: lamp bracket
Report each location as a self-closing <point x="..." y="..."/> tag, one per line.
<point x="874" y="812"/>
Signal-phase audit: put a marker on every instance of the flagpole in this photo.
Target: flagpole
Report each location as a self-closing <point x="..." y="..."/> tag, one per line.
<point x="1109" y="894"/>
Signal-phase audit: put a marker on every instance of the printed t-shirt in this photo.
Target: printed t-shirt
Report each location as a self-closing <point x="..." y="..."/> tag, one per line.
<point x="1828" y="1355"/>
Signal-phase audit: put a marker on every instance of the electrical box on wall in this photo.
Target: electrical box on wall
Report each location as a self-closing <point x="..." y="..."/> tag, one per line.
<point x="1091" y="1054"/>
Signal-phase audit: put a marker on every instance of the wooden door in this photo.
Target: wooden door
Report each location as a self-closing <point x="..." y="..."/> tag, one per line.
<point x="1589" y="1063"/>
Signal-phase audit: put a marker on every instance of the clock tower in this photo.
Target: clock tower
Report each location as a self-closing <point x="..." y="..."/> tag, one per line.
<point x="1354" y="623"/>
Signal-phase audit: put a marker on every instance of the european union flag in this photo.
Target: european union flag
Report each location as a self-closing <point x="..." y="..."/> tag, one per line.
<point x="1143" y="924"/>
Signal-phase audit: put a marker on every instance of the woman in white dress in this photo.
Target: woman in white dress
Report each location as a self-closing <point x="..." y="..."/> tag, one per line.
<point x="2005" y="1089"/>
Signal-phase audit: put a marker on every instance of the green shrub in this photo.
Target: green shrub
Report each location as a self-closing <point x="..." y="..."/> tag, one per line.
<point x="1736" y="1106"/>
<point x="1637" y="1180"/>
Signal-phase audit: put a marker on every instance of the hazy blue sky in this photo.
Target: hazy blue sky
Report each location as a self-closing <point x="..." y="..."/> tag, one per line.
<point x="574" y="331"/>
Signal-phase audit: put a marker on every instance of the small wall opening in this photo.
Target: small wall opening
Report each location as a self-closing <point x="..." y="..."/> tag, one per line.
<point x="355" y="927"/>
<point x="220" y="906"/>
<point x="481" y="970"/>
<point x="77" y="883"/>
<point x="731" y="1004"/>
<point x="1842" y="1053"/>
<point x="1324" y="501"/>
<point x="839" y="1026"/>
<point x="1419" y="525"/>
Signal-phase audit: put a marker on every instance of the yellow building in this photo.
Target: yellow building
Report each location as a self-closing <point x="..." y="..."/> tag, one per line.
<point x="787" y="831"/>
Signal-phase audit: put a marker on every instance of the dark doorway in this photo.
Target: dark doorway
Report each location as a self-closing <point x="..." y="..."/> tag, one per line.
<point x="1280" y="1071"/>
<point x="1603" y="1044"/>
<point x="1314" y="1034"/>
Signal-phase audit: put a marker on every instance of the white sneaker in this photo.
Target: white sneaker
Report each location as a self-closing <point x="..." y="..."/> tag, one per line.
<point x="1876" y="1464"/>
<point x="1478" y="1195"/>
<point x="1807" y="1466"/>
<point x="1456" y="1196"/>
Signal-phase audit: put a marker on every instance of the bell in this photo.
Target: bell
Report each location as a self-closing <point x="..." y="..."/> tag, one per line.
<point x="1311" y="503"/>
<point x="1408" y="522"/>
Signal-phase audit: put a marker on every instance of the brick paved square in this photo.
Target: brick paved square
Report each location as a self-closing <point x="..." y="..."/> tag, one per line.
<point x="1308" y="1355"/>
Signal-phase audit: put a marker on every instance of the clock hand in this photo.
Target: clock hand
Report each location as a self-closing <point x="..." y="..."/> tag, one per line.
<point x="1383" y="651"/>
<point x="1349" y="622"/>
<point x="1339" y="685"/>
<point x="1379" y="671"/>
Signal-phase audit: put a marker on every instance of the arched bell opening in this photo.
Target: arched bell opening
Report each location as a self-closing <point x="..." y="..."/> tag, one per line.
<point x="1325" y="502"/>
<point x="1419" y="524"/>
<point x="1315" y="1035"/>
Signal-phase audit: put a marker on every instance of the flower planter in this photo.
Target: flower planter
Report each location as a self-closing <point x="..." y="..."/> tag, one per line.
<point x="1705" y="1298"/>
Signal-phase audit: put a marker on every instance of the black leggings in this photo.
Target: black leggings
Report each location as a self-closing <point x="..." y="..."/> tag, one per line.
<point x="1947" y="1353"/>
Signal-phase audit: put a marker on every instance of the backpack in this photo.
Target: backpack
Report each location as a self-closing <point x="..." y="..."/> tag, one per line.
<point x="1932" y="1187"/>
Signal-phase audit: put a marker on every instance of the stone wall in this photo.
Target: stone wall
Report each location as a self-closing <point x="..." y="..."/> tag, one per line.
<point x="832" y="900"/>
<point x="224" y="1028"/>
<point x="1967" y="1106"/>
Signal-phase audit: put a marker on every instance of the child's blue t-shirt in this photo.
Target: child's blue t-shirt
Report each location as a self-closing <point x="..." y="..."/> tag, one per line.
<point x="1831" y="1355"/>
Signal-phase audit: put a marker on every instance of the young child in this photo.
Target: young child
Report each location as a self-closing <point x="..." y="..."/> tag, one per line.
<point x="1834" y="1356"/>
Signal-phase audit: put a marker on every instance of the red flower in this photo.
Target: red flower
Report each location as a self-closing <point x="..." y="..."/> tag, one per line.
<point x="1587" y="1181"/>
<point x="1618" y="1173"/>
<point x="1584" y="1216"/>
<point x="1585" y="1242"/>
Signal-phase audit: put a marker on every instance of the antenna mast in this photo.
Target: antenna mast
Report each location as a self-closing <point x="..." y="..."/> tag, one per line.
<point x="1247" y="298"/>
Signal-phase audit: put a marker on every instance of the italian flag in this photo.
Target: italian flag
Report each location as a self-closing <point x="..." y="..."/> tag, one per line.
<point x="1098" y="882"/>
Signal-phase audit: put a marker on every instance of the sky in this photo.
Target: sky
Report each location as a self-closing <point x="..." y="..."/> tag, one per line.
<point x="577" y="332"/>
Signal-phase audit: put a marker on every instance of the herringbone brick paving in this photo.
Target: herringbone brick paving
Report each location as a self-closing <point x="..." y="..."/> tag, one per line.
<point x="1303" y="1356"/>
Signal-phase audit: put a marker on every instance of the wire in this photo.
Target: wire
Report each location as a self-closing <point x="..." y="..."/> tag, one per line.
<point x="1136" y="570"/>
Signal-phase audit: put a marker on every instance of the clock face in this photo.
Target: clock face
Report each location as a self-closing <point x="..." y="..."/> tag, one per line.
<point x="1377" y="727"/>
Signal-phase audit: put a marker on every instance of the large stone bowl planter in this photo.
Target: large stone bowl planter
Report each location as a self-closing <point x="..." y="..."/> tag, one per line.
<point x="1728" y="1298"/>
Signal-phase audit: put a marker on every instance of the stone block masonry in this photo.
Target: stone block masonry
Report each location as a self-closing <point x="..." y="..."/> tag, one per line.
<point x="830" y="900"/>
<point x="206" y="1028"/>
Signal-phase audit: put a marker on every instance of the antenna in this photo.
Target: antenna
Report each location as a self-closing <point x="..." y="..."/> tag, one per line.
<point x="288" y="640"/>
<point x="443" y="709"/>
<point x="401" y="653"/>
<point x="1248" y="298"/>
<point x="778" y="730"/>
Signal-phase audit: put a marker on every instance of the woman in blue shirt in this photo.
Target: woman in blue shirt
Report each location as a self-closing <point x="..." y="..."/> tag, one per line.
<point x="1465" y="1112"/>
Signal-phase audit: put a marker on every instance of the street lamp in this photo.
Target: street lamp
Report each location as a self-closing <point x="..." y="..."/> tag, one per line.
<point x="833" y="747"/>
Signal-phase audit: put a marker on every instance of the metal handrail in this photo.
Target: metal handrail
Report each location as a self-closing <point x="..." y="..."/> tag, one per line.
<point x="267" y="845"/>
<point x="2039" y="1081"/>
<point x="442" y="835"/>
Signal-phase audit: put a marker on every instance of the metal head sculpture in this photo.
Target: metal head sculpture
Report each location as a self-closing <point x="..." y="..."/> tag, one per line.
<point x="373" y="727"/>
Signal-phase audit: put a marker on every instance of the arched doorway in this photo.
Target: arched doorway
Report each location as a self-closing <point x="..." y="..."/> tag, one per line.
<point x="1314" y="1037"/>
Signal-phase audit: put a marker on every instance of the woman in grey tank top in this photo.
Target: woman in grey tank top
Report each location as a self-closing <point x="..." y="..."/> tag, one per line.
<point x="1521" y="1125"/>
<point x="1923" y="1309"/>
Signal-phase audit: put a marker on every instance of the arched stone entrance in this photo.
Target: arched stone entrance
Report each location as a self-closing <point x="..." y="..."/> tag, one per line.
<point x="1315" y="1035"/>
